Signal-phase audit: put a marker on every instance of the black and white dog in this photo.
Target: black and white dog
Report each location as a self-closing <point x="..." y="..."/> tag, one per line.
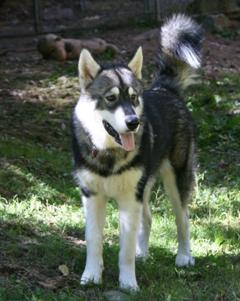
<point x="123" y="137"/>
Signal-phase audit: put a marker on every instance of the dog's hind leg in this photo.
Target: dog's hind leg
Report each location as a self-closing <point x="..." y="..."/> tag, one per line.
<point x="95" y="212"/>
<point x="184" y="257"/>
<point x="145" y="225"/>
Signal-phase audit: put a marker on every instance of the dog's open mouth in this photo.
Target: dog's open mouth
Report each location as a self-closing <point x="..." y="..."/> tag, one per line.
<point x="126" y="140"/>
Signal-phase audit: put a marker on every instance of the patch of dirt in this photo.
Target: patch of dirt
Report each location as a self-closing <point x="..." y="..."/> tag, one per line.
<point x="20" y="59"/>
<point x="221" y="55"/>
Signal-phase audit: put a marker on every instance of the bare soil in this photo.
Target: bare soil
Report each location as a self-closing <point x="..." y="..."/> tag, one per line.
<point x="220" y="55"/>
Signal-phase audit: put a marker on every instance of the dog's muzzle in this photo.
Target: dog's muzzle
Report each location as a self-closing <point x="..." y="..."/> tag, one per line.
<point x="132" y="122"/>
<point x="110" y="130"/>
<point x="126" y="140"/>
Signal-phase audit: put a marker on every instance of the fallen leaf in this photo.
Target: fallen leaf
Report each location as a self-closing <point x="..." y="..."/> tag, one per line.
<point x="64" y="269"/>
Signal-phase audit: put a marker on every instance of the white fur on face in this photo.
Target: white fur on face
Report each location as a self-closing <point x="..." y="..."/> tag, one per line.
<point x="126" y="75"/>
<point x="139" y="108"/>
<point x="92" y="123"/>
<point x="114" y="90"/>
<point x="131" y="91"/>
<point x="91" y="120"/>
<point x="116" y="119"/>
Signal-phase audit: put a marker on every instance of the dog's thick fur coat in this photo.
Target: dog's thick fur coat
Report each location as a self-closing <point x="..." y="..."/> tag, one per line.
<point x="123" y="137"/>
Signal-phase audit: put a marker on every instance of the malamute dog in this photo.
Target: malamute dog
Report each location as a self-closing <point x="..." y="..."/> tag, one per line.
<point x="123" y="137"/>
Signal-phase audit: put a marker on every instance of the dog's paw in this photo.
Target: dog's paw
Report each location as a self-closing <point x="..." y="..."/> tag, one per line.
<point x="128" y="283"/>
<point x="91" y="277"/>
<point x="183" y="260"/>
<point x="131" y="287"/>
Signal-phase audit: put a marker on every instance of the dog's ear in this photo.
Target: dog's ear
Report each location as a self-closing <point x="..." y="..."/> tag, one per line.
<point x="136" y="63"/>
<point x="87" y="68"/>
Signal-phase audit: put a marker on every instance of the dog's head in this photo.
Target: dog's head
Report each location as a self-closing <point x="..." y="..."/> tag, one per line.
<point x="116" y="92"/>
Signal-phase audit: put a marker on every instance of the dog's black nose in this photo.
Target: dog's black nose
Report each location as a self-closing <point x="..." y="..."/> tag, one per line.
<point x="132" y="122"/>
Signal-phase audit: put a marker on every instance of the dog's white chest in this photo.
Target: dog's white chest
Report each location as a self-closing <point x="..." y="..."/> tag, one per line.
<point x="112" y="186"/>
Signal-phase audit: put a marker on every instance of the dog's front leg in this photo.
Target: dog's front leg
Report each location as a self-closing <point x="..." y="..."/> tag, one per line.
<point x="129" y="212"/>
<point x="95" y="212"/>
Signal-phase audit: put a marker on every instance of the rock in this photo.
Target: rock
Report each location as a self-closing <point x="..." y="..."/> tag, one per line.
<point x="116" y="296"/>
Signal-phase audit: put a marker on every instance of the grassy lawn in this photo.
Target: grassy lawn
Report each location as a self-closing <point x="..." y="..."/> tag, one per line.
<point x="41" y="218"/>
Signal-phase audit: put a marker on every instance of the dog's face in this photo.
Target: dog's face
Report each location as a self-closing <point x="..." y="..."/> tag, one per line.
<point x="117" y="93"/>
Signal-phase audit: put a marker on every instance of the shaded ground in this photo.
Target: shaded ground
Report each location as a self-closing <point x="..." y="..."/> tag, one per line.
<point x="220" y="55"/>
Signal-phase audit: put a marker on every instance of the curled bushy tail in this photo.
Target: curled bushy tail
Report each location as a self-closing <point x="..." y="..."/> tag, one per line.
<point x="180" y="41"/>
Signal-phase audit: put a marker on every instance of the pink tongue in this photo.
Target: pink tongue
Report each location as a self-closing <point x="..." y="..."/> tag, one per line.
<point x="128" y="142"/>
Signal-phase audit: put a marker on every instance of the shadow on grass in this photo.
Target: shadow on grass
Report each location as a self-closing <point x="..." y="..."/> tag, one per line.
<point x="30" y="263"/>
<point x="35" y="149"/>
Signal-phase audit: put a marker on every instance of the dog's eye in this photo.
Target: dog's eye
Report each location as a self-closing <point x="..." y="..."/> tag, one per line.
<point x="133" y="97"/>
<point x="111" y="98"/>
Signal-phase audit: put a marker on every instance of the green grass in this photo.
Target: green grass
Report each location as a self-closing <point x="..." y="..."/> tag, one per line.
<point x="41" y="219"/>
